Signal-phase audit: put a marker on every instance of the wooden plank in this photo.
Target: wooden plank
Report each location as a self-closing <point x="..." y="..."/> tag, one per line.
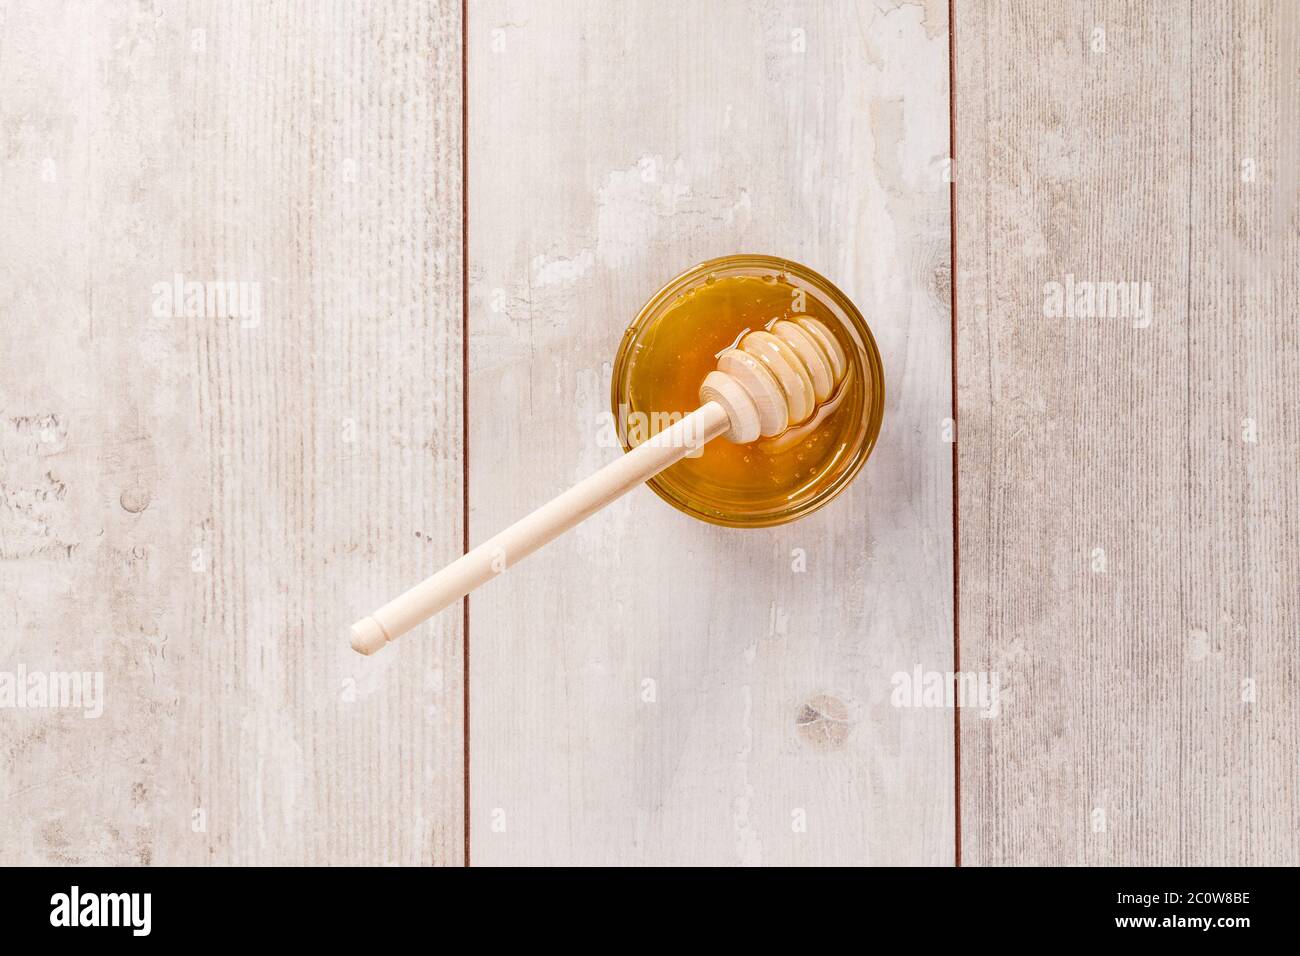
<point x="611" y="146"/>
<point x="1127" y="548"/>
<point x="196" y="506"/>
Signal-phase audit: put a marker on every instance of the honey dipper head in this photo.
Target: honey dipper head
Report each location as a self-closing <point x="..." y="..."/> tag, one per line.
<point x="773" y="380"/>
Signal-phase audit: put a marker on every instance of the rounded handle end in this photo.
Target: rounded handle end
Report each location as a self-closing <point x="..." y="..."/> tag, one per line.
<point x="368" y="636"/>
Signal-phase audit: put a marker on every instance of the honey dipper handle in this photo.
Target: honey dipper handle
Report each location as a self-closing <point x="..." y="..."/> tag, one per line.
<point x="546" y="523"/>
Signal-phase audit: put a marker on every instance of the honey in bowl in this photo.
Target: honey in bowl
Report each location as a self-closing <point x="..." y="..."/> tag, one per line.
<point x="675" y="343"/>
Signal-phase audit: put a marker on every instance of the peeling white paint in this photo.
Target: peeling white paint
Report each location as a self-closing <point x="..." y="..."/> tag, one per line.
<point x="560" y="271"/>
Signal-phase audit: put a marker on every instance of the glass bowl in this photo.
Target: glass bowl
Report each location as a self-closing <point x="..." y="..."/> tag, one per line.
<point x="673" y="343"/>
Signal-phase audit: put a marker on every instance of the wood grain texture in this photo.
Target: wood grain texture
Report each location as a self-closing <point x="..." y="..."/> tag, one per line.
<point x="1129" y="495"/>
<point x="196" y="506"/>
<point x="610" y="147"/>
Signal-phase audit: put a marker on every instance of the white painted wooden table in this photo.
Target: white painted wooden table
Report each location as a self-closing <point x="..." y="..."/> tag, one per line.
<point x="441" y="219"/>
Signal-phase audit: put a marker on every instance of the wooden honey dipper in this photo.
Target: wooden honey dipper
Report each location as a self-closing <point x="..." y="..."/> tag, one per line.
<point x="770" y="381"/>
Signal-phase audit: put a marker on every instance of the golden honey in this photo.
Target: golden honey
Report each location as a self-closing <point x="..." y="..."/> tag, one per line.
<point x="674" y="344"/>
